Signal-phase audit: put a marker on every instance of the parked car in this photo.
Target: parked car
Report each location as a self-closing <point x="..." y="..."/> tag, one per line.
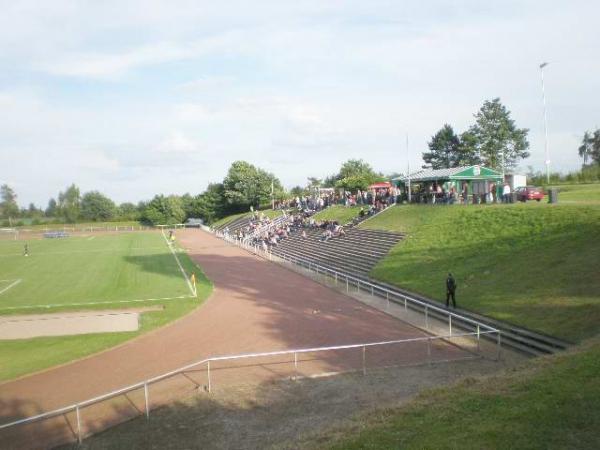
<point x="529" y="193"/>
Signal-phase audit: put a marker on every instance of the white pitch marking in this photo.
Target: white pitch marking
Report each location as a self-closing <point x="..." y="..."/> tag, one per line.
<point x="187" y="280"/>
<point x="56" y="305"/>
<point x="80" y="251"/>
<point x="91" y="237"/>
<point x="14" y="283"/>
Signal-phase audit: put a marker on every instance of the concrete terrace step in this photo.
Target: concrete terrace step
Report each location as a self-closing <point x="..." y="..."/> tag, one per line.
<point x="348" y="257"/>
<point x="327" y="260"/>
<point x="356" y="253"/>
<point x="332" y="246"/>
<point x="519" y="338"/>
<point x="362" y="236"/>
<point x="235" y="225"/>
<point x="317" y="253"/>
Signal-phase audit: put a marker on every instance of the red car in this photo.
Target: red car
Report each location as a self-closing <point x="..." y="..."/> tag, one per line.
<point x="529" y="193"/>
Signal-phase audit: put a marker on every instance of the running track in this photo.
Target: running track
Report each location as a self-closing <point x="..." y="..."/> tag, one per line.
<point x="256" y="306"/>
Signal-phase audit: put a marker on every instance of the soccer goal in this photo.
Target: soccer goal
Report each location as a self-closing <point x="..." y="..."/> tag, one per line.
<point x="9" y="234"/>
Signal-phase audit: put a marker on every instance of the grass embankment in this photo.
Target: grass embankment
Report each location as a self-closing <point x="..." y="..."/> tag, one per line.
<point x="228" y="219"/>
<point x="271" y="213"/>
<point x="552" y="402"/>
<point x="534" y="265"/>
<point x="579" y="193"/>
<point x="76" y="270"/>
<point x="340" y="213"/>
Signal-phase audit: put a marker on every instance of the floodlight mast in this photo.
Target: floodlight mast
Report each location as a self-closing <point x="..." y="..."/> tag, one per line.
<point x="544" y="64"/>
<point x="408" y="169"/>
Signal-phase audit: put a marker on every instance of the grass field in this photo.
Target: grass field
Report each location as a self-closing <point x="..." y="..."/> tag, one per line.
<point x="79" y="226"/>
<point x="534" y="265"/>
<point x="92" y="272"/>
<point x="551" y="403"/>
<point x="337" y="212"/>
<point x="579" y="193"/>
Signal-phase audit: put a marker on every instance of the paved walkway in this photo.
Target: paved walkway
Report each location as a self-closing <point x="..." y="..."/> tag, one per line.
<point x="256" y="306"/>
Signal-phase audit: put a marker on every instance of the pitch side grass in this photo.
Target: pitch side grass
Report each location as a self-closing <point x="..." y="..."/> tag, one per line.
<point x="90" y="272"/>
<point x="340" y="213"/>
<point x="534" y="265"/>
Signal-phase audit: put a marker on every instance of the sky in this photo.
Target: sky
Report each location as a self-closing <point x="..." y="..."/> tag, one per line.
<point x="135" y="98"/>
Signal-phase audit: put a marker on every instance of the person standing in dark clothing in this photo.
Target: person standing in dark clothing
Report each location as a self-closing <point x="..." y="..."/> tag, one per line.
<point x="450" y="290"/>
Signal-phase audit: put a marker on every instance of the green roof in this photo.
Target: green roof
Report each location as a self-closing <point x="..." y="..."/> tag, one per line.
<point x="454" y="173"/>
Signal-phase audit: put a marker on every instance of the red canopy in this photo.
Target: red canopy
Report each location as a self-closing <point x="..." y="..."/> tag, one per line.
<point x="381" y="185"/>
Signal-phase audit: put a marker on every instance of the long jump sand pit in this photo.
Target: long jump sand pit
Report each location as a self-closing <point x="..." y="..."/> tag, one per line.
<point x="70" y="323"/>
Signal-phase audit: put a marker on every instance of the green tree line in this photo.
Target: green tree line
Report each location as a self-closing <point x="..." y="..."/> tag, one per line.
<point x="493" y="141"/>
<point x="243" y="187"/>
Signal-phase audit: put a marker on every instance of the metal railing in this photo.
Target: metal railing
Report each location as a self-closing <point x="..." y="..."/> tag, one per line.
<point x="373" y="288"/>
<point x="480" y="330"/>
<point x="77" y="407"/>
<point x="83" y="229"/>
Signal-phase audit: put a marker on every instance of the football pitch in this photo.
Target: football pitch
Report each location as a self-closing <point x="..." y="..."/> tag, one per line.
<point x="89" y="271"/>
<point x="94" y="271"/>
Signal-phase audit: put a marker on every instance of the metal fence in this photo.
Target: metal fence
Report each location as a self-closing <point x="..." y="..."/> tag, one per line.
<point x="428" y="341"/>
<point x="351" y="282"/>
<point x="86" y="228"/>
<point x="475" y="332"/>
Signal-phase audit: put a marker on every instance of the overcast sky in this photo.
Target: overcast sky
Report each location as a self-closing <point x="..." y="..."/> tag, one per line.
<point x="135" y="98"/>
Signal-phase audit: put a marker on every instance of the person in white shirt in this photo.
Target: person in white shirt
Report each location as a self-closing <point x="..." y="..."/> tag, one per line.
<point x="506" y="193"/>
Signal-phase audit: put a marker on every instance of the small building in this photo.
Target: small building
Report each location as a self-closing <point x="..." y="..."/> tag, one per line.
<point x="380" y="185"/>
<point x="515" y="181"/>
<point x="476" y="184"/>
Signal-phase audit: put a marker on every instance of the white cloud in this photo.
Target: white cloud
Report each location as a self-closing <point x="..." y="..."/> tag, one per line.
<point x="178" y="143"/>
<point x="112" y="66"/>
<point x="295" y="88"/>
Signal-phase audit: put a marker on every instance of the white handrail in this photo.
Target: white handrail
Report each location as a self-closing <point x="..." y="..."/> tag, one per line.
<point x="149" y="381"/>
<point x="256" y="250"/>
<point x="357" y="281"/>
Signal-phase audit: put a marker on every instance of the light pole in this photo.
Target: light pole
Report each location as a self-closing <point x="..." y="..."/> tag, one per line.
<point x="545" y="124"/>
<point x="408" y="169"/>
<point x="272" y="194"/>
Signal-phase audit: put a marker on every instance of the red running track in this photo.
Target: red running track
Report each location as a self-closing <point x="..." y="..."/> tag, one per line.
<point x="256" y="306"/>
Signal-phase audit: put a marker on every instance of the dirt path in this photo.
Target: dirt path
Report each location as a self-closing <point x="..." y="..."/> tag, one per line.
<point x="256" y="306"/>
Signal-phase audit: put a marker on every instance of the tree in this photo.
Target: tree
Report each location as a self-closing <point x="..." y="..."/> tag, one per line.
<point x="246" y="185"/>
<point x="51" y="209"/>
<point x="96" y="206"/>
<point x="467" y="150"/>
<point x="34" y="212"/>
<point x="8" y="206"/>
<point x="69" y="203"/>
<point x="314" y="182"/>
<point x="128" y="211"/>
<point x="188" y="204"/>
<point x="499" y="143"/>
<point x="357" y="168"/>
<point x="596" y="147"/>
<point x="444" y="149"/>
<point x="297" y="191"/>
<point x="585" y="149"/>
<point x="164" y="211"/>
<point x="590" y="147"/>
<point x="354" y="174"/>
<point x="211" y="204"/>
